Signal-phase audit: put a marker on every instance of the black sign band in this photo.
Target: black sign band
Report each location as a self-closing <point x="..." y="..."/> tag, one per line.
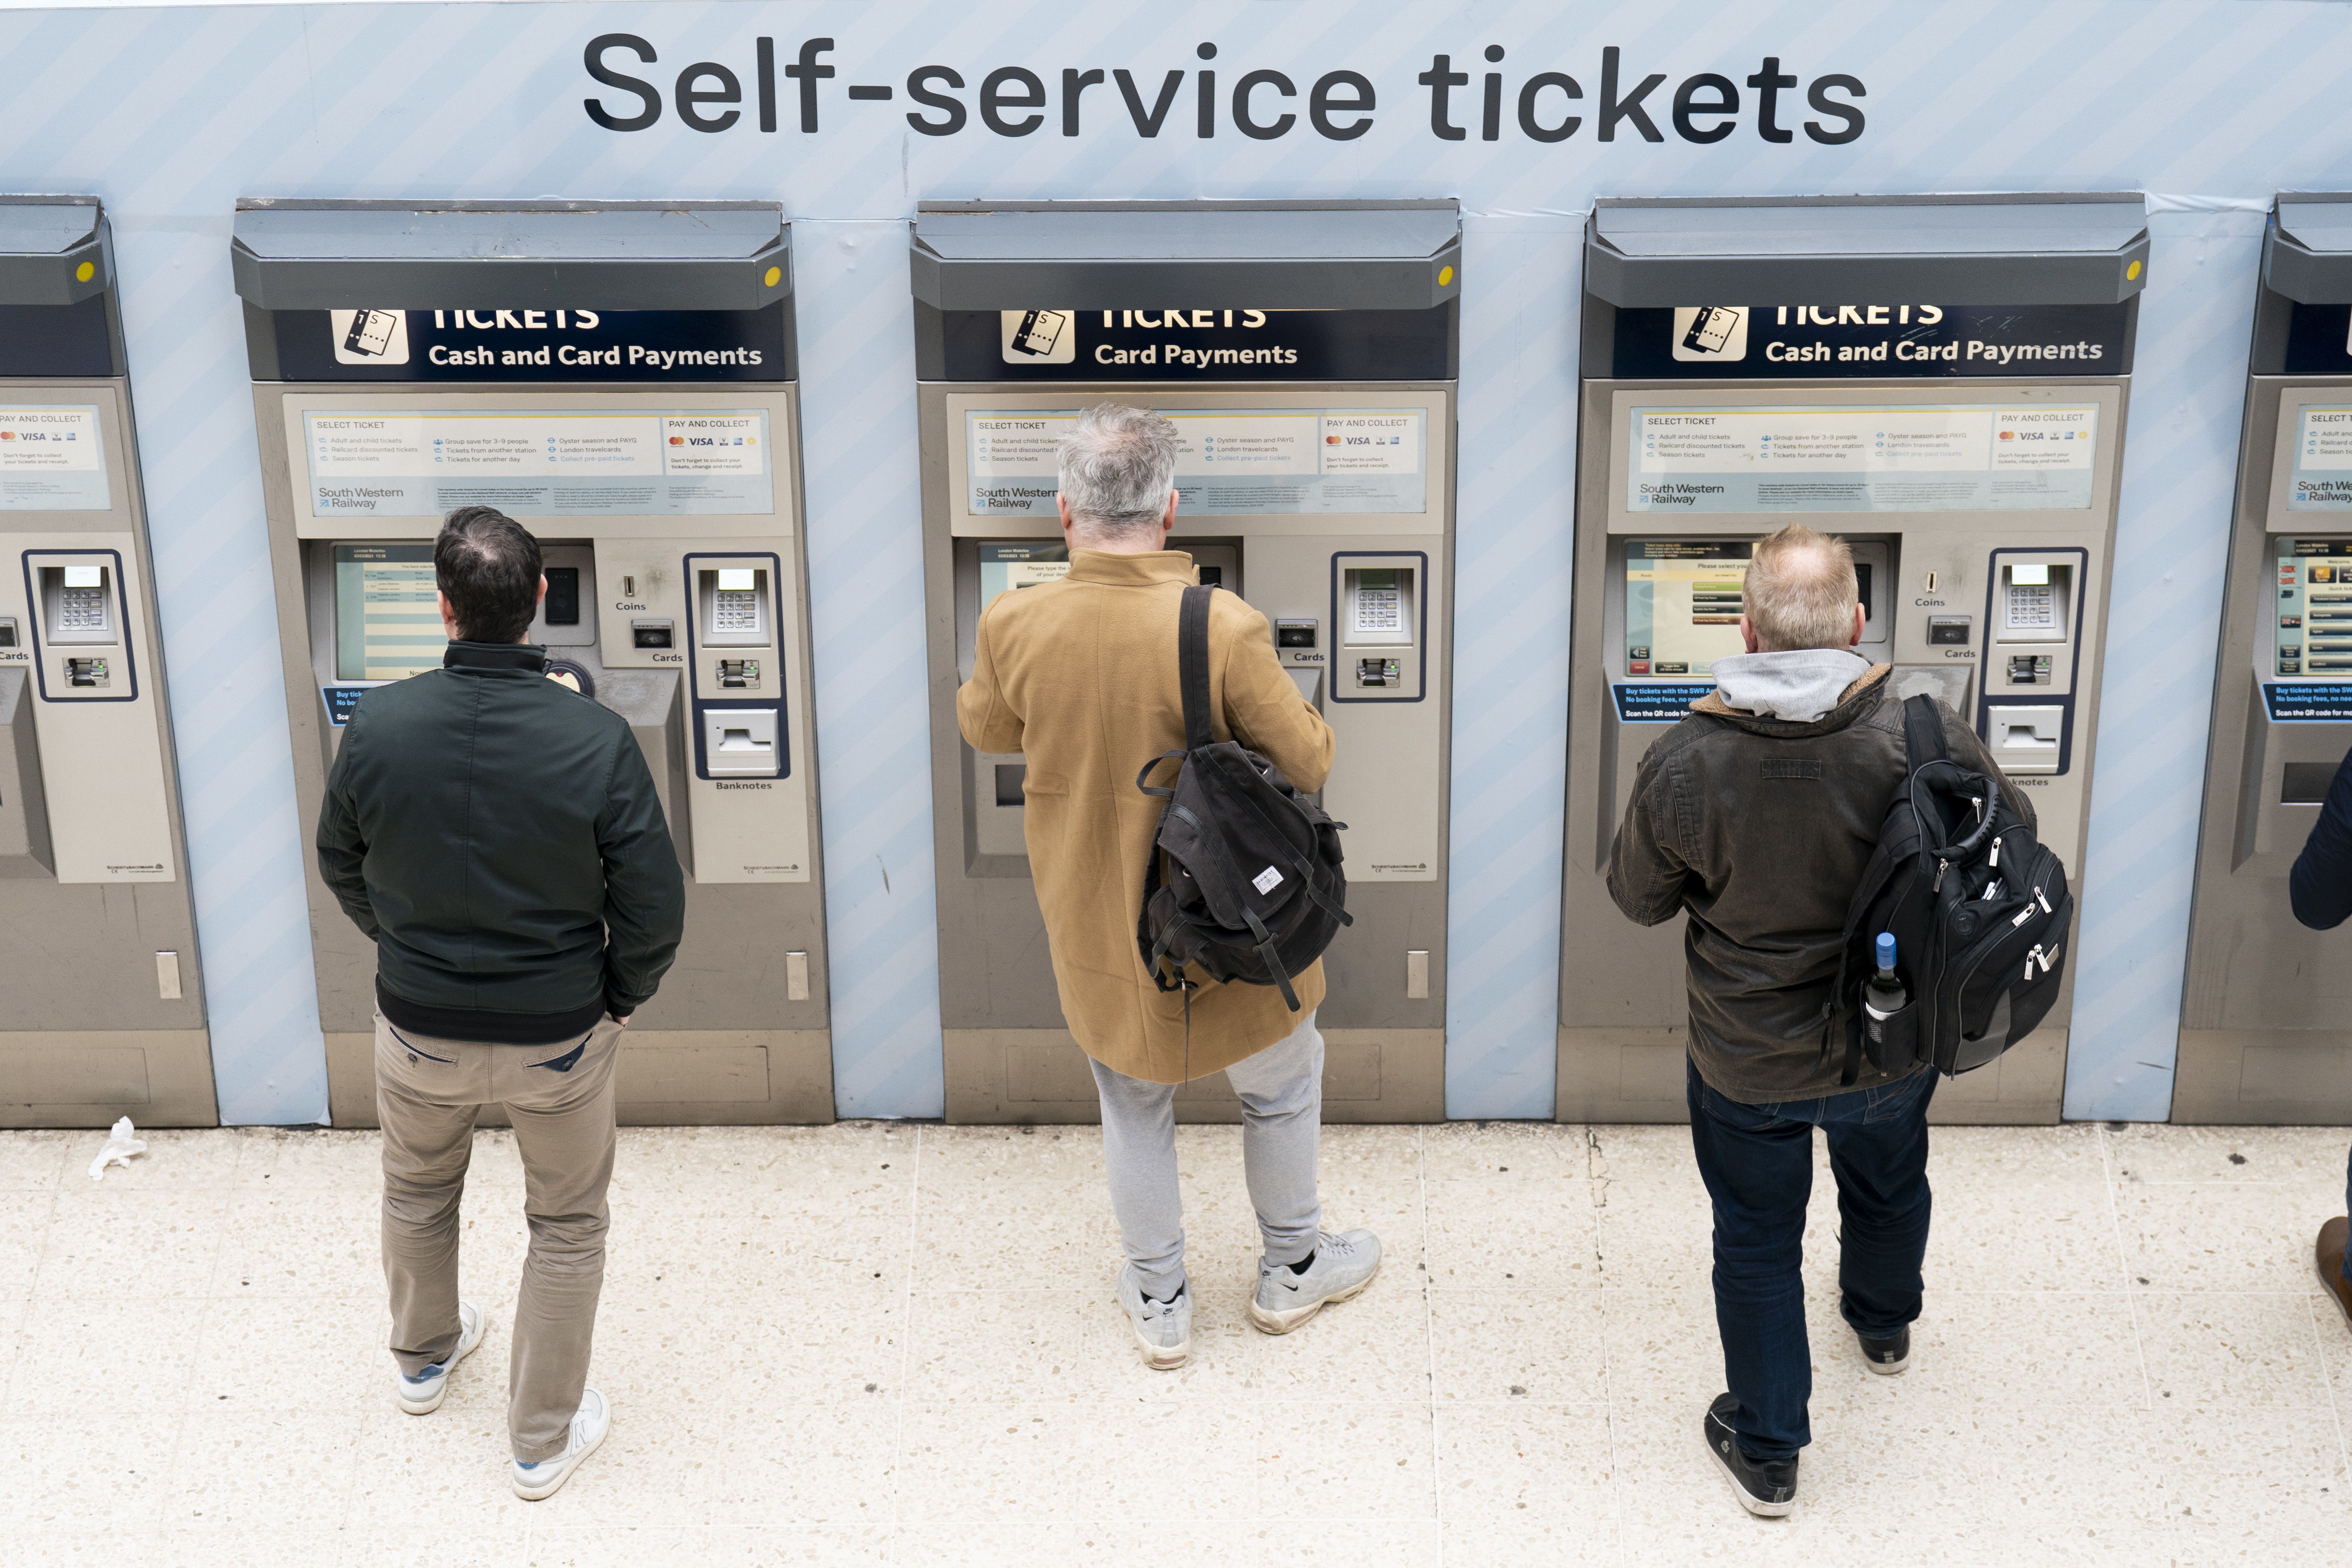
<point x="566" y="345"/>
<point x="1173" y="343"/>
<point x="57" y="340"/>
<point x="1814" y="342"/>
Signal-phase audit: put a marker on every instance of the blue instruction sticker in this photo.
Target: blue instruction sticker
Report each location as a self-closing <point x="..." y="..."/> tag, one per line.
<point x="1657" y="703"/>
<point x="2308" y="702"/>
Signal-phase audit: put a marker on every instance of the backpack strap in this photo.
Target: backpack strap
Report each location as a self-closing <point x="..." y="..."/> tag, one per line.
<point x="1193" y="666"/>
<point x="1923" y="734"/>
<point x="1923" y="742"/>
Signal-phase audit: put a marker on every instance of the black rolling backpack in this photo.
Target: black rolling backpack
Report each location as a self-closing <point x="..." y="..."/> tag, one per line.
<point x="1254" y="891"/>
<point x="1980" y="912"/>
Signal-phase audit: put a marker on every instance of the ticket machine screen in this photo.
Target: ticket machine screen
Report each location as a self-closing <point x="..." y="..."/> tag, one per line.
<point x="1006" y="567"/>
<point x="2315" y="607"/>
<point x="387" y="619"/>
<point x="1683" y="598"/>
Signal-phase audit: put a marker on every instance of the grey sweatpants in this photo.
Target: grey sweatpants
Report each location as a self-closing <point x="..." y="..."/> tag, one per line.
<point x="1281" y="1091"/>
<point x="560" y="1099"/>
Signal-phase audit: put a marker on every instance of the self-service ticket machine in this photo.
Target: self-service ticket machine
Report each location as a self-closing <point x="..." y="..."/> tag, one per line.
<point x="1942" y="381"/>
<point x="2266" y="1014"/>
<point x="1305" y="351"/>
<point x="101" y="1011"/>
<point x="620" y="378"/>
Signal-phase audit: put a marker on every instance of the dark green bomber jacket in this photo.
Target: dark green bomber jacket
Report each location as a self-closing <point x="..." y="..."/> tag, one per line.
<point x="499" y="837"/>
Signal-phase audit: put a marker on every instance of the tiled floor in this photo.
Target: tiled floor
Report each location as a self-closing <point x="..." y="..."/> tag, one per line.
<point x="882" y="1343"/>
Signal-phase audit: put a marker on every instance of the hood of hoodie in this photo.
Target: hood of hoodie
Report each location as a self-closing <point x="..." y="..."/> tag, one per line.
<point x="1798" y="685"/>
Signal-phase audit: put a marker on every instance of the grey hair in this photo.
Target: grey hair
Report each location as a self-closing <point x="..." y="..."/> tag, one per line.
<point x="1800" y="591"/>
<point x="1118" y="467"/>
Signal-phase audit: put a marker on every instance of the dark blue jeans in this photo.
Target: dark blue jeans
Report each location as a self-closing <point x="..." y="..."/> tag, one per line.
<point x="1758" y="1163"/>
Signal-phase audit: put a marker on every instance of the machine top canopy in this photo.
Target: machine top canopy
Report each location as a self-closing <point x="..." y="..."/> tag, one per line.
<point x="998" y="256"/>
<point x="618" y="255"/>
<point x="2012" y="250"/>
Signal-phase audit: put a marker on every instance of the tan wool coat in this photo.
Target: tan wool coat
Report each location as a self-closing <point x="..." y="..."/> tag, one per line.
<point x="1080" y="677"/>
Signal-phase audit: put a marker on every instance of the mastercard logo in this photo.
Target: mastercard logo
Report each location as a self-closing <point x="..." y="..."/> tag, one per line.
<point x="1331" y="440"/>
<point x="680" y="441"/>
<point x="2009" y="435"/>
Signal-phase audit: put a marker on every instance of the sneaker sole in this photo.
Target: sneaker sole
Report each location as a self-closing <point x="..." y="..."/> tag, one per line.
<point x="1163" y="1358"/>
<point x="1760" y="1510"/>
<point x="441" y="1384"/>
<point x="541" y="1493"/>
<point x="1888" y="1368"/>
<point x="1282" y="1323"/>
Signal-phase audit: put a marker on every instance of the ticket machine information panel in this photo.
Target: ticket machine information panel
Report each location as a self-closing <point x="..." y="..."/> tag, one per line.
<point x="2263" y="1036"/>
<point x="1330" y="512"/>
<point x="653" y="456"/>
<point x="1980" y="515"/>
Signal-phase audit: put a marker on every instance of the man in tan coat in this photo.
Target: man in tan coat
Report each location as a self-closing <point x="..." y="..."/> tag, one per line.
<point x="1080" y="676"/>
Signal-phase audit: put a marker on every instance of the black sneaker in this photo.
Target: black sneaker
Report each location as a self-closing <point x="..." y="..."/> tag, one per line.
<point x="1770" y="1490"/>
<point x="1889" y="1356"/>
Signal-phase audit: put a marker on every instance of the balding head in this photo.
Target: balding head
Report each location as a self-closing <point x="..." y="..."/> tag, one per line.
<point x="1801" y="593"/>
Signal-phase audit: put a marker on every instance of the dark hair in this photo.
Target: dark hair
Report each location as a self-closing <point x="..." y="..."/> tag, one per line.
<point x="489" y="566"/>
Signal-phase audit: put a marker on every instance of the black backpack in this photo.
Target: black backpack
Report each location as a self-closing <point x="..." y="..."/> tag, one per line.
<point x="1254" y="891"/>
<point x="1979" y="910"/>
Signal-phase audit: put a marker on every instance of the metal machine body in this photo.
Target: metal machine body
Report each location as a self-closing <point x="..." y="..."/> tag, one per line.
<point x="1307" y="353"/>
<point x="1942" y="382"/>
<point x="2262" y="1032"/>
<point x="620" y="378"/>
<point x="101" y="1004"/>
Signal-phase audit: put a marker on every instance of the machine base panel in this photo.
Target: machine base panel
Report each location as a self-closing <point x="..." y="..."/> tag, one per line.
<point x="1636" y="1075"/>
<point x="1040" y="1078"/>
<point x="735" y="1078"/>
<point x="158" y="1078"/>
<point x="2264" y="1078"/>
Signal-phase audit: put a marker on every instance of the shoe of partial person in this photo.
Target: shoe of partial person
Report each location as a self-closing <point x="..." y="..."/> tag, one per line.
<point x="1888" y="1356"/>
<point x="1342" y="1266"/>
<point x="423" y="1394"/>
<point x="589" y="1424"/>
<point x="1163" y="1330"/>
<point x="1769" y="1489"/>
<point x="2332" y="1236"/>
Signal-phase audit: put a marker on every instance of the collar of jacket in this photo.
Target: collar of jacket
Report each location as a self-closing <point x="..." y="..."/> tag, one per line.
<point x="523" y="655"/>
<point x="1131" y="571"/>
<point x="1853" y="703"/>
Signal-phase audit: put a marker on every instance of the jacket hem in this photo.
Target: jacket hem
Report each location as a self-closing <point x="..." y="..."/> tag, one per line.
<point x="488" y="1026"/>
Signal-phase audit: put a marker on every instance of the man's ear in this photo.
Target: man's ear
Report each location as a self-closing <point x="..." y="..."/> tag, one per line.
<point x="1860" y="620"/>
<point x="542" y="587"/>
<point x="1747" y="636"/>
<point x="1168" y="518"/>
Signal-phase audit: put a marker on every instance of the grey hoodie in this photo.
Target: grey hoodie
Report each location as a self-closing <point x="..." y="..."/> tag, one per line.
<point x="1798" y="685"/>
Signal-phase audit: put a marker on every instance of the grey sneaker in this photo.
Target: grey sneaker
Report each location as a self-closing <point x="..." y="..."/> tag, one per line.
<point x="423" y="1394"/>
<point x="1163" y="1330"/>
<point x="1343" y="1266"/>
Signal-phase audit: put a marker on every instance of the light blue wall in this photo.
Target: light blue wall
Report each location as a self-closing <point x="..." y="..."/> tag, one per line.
<point x="169" y="115"/>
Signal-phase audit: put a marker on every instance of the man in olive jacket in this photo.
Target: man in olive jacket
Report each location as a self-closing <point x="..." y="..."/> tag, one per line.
<point x="1080" y="674"/>
<point x="1756" y="816"/>
<point x="498" y="837"/>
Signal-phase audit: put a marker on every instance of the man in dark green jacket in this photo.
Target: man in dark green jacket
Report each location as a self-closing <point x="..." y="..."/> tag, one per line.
<point x="499" y="837"/>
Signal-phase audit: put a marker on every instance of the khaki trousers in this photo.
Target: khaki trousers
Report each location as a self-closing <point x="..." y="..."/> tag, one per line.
<point x="560" y="1099"/>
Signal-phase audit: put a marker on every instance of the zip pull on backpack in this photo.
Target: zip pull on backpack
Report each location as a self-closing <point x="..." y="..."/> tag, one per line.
<point x="1979" y="910"/>
<point x="1252" y="890"/>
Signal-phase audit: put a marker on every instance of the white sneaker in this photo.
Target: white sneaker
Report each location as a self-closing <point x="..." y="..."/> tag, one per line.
<point x="423" y="1394"/>
<point x="589" y="1424"/>
<point x="1343" y="1266"/>
<point x="1163" y="1330"/>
